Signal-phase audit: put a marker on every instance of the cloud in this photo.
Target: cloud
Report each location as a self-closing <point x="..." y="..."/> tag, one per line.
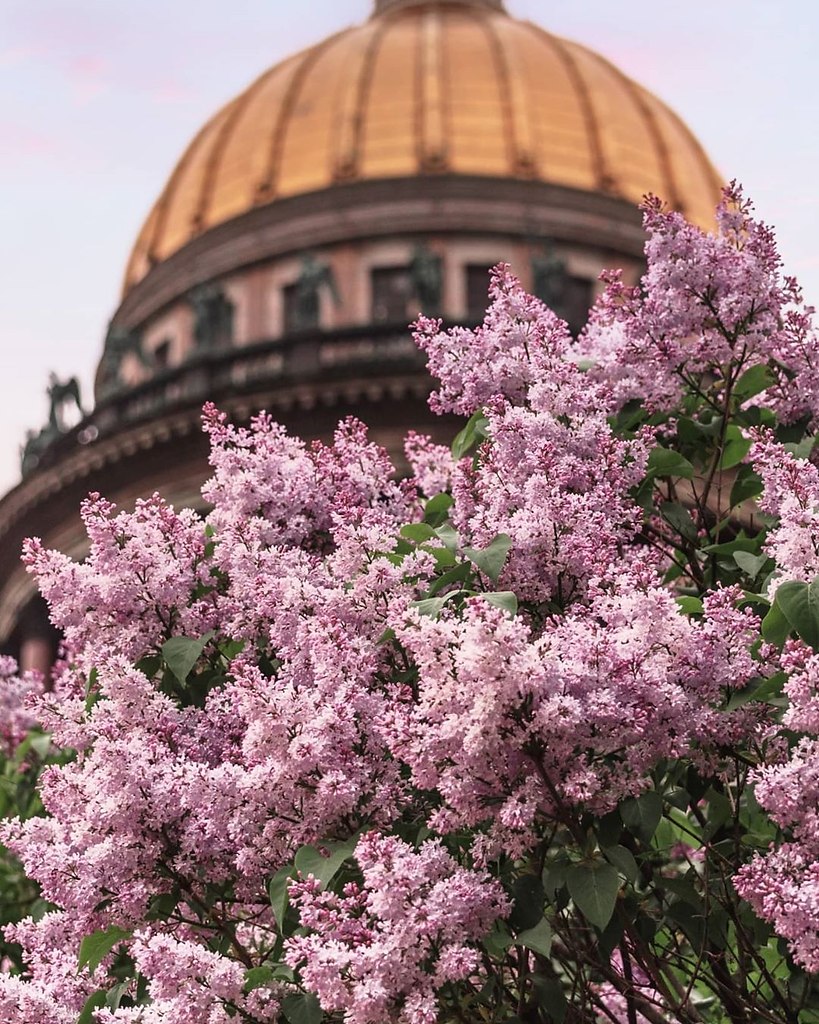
<point x="21" y="141"/>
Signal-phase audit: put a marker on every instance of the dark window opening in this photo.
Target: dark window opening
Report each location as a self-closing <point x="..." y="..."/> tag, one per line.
<point x="576" y="302"/>
<point x="477" y="290"/>
<point x="391" y="292"/>
<point x="162" y="354"/>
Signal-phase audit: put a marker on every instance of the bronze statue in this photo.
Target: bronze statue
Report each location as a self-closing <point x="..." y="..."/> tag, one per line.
<point x="426" y="276"/>
<point x="313" y="276"/>
<point x="549" y="278"/>
<point x="62" y="393"/>
<point x="212" y="318"/>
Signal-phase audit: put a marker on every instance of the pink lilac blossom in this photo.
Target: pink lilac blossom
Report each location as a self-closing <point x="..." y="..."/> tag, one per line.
<point x="16" y="691"/>
<point x="506" y="726"/>
<point x="322" y="702"/>
<point x="379" y="951"/>
<point x="791" y="493"/>
<point x="551" y="474"/>
<point x="708" y="305"/>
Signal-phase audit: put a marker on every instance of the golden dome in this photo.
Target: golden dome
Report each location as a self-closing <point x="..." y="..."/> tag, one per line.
<point x="429" y="87"/>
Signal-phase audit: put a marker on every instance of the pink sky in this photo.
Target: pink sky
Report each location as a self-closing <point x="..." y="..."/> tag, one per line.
<point x="99" y="98"/>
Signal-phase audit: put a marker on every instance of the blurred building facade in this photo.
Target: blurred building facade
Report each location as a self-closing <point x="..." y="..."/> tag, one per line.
<point x="376" y="175"/>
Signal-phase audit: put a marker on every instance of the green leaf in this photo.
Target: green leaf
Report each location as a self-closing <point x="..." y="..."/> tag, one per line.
<point x="430" y="606"/>
<point x="594" y="888"/>
<point x="801" y="449"/>
<point x="473" y="433"/>
<point x="755" y="380"/>
<point x="538" y="939"/>
<point x="114" y="995"/>
<point x="678" y="517"/>
<point x="182" y="652"/>
<point x="641" y="815"/>
<point x="448" y="536"/>
<point x="799" y="603"/>
<point x="750" y="564"/>
<point x="666" y="462"/>
<point x="690" y="605"/>
<point x="417" y="532"/>
<point x="550" y="996"/>
<point x="95" y="948"/>
<point x="256" y="977"/>
<point x="490" y="560"/>
<point x="747" y="485"/>
<point x="96" y="1001"/>
<point x="528" y="899"/>
<point x="623" y="860"/>
<point x="437" y="509"/>
<point x="775" y="626"/>
<point x="734" y="452"/>
<point x="302" y="1008"/>
<point x="277" y="893"/>
<point x="498" y="940"/>
<point x="506" y="600"/>
<point x="310" y="861"/>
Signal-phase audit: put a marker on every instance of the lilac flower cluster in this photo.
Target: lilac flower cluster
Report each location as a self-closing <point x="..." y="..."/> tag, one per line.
<point x="322" y="657"/>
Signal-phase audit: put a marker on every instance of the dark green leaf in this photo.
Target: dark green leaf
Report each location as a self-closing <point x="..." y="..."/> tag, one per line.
<point x="734" y="452"/>
<point x="641" y="815"/>
<point x="430" y="606"/>
<point x="503" y="599"/>
<point x="257" y="977"/>
<point x="323" y="867"/>
<point x="775" y="626"/>
<point x="95" y="948"/>
<point x="302" y="1008"/>
<point x="666" y="462"/>
<point x="437" y="509"/>
<point x="277" y="893"/>
<point x="182" y="652"/>
<point x="623" y="860"/>
<point x="498" y="940"/>
<point x="538" y="939"/>
<point x="594" y="888"/>
<point x="755" y="380"/>
<point x="750" y="564"/>
<point x="800" y="604"/>
<point x="417" y="532"/>
<point x="678" y="517"/>
<point x="551" y="998"/>
<point x="748" y="484"/>
<point x="801" y="449"/>
<point x="528" y="899"/>
<point x="114" y="995"/>
<point x="94" y="1002"/>
<point x="490" y="560"/>
<point x="473" y="433"/>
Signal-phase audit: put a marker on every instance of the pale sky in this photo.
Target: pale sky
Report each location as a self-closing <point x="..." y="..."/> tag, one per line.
<point x="98" y="98"/>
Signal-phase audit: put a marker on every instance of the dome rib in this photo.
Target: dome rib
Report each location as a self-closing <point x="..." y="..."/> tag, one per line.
<point x="504" y="92"/>
<point x="672" y="193"/>
<point x="431" y="107"/>
<point x="603" y="178"/>
<point x="428" y="87"/>
<point x="218" y="150"/>
<point x="347" y="150"/>
<point x="266" y="188"/>
<point x="515" y="102"/>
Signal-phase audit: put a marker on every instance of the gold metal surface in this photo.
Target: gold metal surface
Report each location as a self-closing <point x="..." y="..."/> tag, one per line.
<point x="426" y="88"/>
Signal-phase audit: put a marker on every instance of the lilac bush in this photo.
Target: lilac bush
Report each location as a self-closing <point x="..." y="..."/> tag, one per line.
<point x="531" y="735"/>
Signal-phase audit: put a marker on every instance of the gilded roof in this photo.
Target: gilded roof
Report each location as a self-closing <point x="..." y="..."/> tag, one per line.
<point x="429" y="87"/>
